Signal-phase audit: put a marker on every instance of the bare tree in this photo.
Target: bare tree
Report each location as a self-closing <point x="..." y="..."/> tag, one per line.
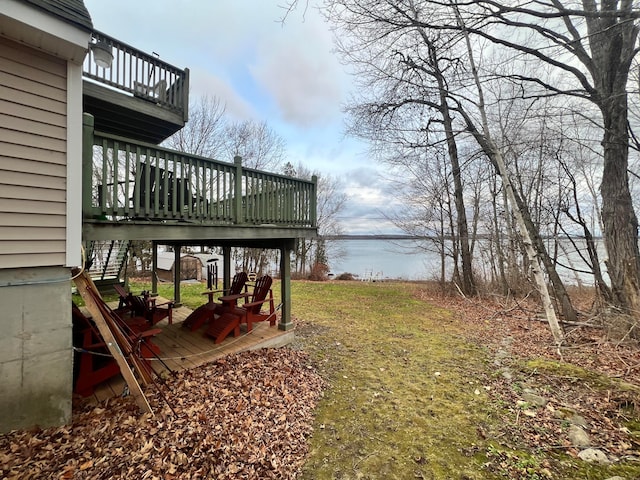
<point x="258" y="144"/>
<point x="203" y="133"/>
<point x="484" y="138"/>
<point x="381" y="39"/>
<point x="209" y="134"/>
<point x="331" y="201"/>
<point x="593" y="45"/>
<point x="404" y="104"/>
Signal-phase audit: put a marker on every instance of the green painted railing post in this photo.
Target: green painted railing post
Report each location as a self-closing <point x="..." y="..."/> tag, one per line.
<point x="239" y="216"/>
<point x="313" y="203"/>
<point x="185" y="95"/>
<point x="177" y="273"/>
<point x="87" y="164"/>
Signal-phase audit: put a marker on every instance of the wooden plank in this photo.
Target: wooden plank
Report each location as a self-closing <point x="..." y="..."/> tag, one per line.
<point x="172" y="343"/>
<point x="84" y="284"/>
<point x="180" y="355"/>
<point x="108" y="389"/>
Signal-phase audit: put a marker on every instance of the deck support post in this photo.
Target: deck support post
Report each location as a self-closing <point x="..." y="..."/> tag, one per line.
<point x="87" y="164"/>
<point x="285" y="285"/>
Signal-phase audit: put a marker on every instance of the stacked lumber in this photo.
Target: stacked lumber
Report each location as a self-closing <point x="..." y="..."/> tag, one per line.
<point x="119" y="338"/>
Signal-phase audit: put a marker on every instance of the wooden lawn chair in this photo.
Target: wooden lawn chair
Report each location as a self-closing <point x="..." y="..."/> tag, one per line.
<point x="251" y="311"/>
<point x="143" y="306"/>
<point x="205" y="313"/>
<point x="92" y="362"/>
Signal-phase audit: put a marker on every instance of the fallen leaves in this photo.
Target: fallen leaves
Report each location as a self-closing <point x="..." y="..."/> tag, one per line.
<point x="247" y="416"/>
<point x="538" y="427"/>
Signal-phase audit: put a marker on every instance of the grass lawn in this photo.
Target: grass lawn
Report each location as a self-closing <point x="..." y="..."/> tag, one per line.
<point x="408" y="394"/>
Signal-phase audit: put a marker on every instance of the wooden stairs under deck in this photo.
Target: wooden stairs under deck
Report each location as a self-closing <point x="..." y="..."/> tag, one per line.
<point x="182" y="349"/>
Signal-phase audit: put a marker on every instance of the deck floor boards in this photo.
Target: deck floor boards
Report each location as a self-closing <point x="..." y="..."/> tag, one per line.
<point x="181" y="349"/>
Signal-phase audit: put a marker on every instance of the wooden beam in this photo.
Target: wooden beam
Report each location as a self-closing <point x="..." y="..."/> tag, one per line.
<point x="154" y="267"/>
<point x="226" y="267"/>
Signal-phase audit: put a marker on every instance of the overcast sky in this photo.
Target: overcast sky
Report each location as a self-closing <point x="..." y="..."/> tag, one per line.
<point x="286" y="75"/>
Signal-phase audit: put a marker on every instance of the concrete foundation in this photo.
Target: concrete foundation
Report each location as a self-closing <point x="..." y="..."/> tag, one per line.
<point x="36" y="355"/>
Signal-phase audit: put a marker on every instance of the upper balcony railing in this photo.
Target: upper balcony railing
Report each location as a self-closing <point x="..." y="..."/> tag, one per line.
<point x="142" y="75"/>
<point x="128" y="180"/>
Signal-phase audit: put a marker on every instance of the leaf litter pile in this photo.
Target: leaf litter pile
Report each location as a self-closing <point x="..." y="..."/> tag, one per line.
<point x="246" y="416"/>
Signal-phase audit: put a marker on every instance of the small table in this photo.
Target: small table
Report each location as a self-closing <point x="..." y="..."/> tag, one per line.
<point x="231" y="301"/>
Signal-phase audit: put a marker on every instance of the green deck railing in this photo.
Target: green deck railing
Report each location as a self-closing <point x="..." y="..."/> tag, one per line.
<point x="125" y="179"/>
<point x="141" y="75"/>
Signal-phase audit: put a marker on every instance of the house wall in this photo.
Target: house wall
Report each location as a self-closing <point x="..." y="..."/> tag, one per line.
<point x="33" y="157"/>
<point x="35" y="347"/>
<point x="40" y="212"/>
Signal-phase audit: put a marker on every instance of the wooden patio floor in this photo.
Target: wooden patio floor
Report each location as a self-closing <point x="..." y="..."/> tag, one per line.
<point x="182" y="349"/>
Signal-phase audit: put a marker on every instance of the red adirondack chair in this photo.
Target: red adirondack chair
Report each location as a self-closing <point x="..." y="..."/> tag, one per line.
<point x="143" y="306"/>
<point x="93" y="364"/>
<point x="206" y="312"/>
<point x="252" y="311"/>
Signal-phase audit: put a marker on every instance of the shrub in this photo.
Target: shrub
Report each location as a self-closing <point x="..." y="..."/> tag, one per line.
<point x="346" y="276"/>
<point x="319" y="272"/>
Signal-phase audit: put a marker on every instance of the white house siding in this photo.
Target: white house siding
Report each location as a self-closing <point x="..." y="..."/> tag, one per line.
<point x="33" y="157"/>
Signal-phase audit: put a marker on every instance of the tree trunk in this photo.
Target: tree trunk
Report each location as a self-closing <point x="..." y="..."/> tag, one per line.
<point x="618" y="215"/>
<point x="468" y="283"/>
<point x="560" y="292"/>
<point x="488" y="145"/>
<point x="612" y="41"/>
<point x="497" y="238"/>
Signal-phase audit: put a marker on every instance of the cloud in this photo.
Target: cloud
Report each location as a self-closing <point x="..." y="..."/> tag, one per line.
<point x="204" y="83"/>
<point x="301" y="74"/>
<point x="369" y="205"/>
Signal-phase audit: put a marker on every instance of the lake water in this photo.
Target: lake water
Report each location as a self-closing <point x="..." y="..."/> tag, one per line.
<point x="382" y="258"/>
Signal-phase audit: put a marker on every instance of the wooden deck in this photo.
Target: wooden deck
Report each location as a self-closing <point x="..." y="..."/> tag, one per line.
<point x="182" y="349"/>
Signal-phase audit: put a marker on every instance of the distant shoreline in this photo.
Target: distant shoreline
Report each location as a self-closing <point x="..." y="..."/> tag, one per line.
<point x="393" y="236"/>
